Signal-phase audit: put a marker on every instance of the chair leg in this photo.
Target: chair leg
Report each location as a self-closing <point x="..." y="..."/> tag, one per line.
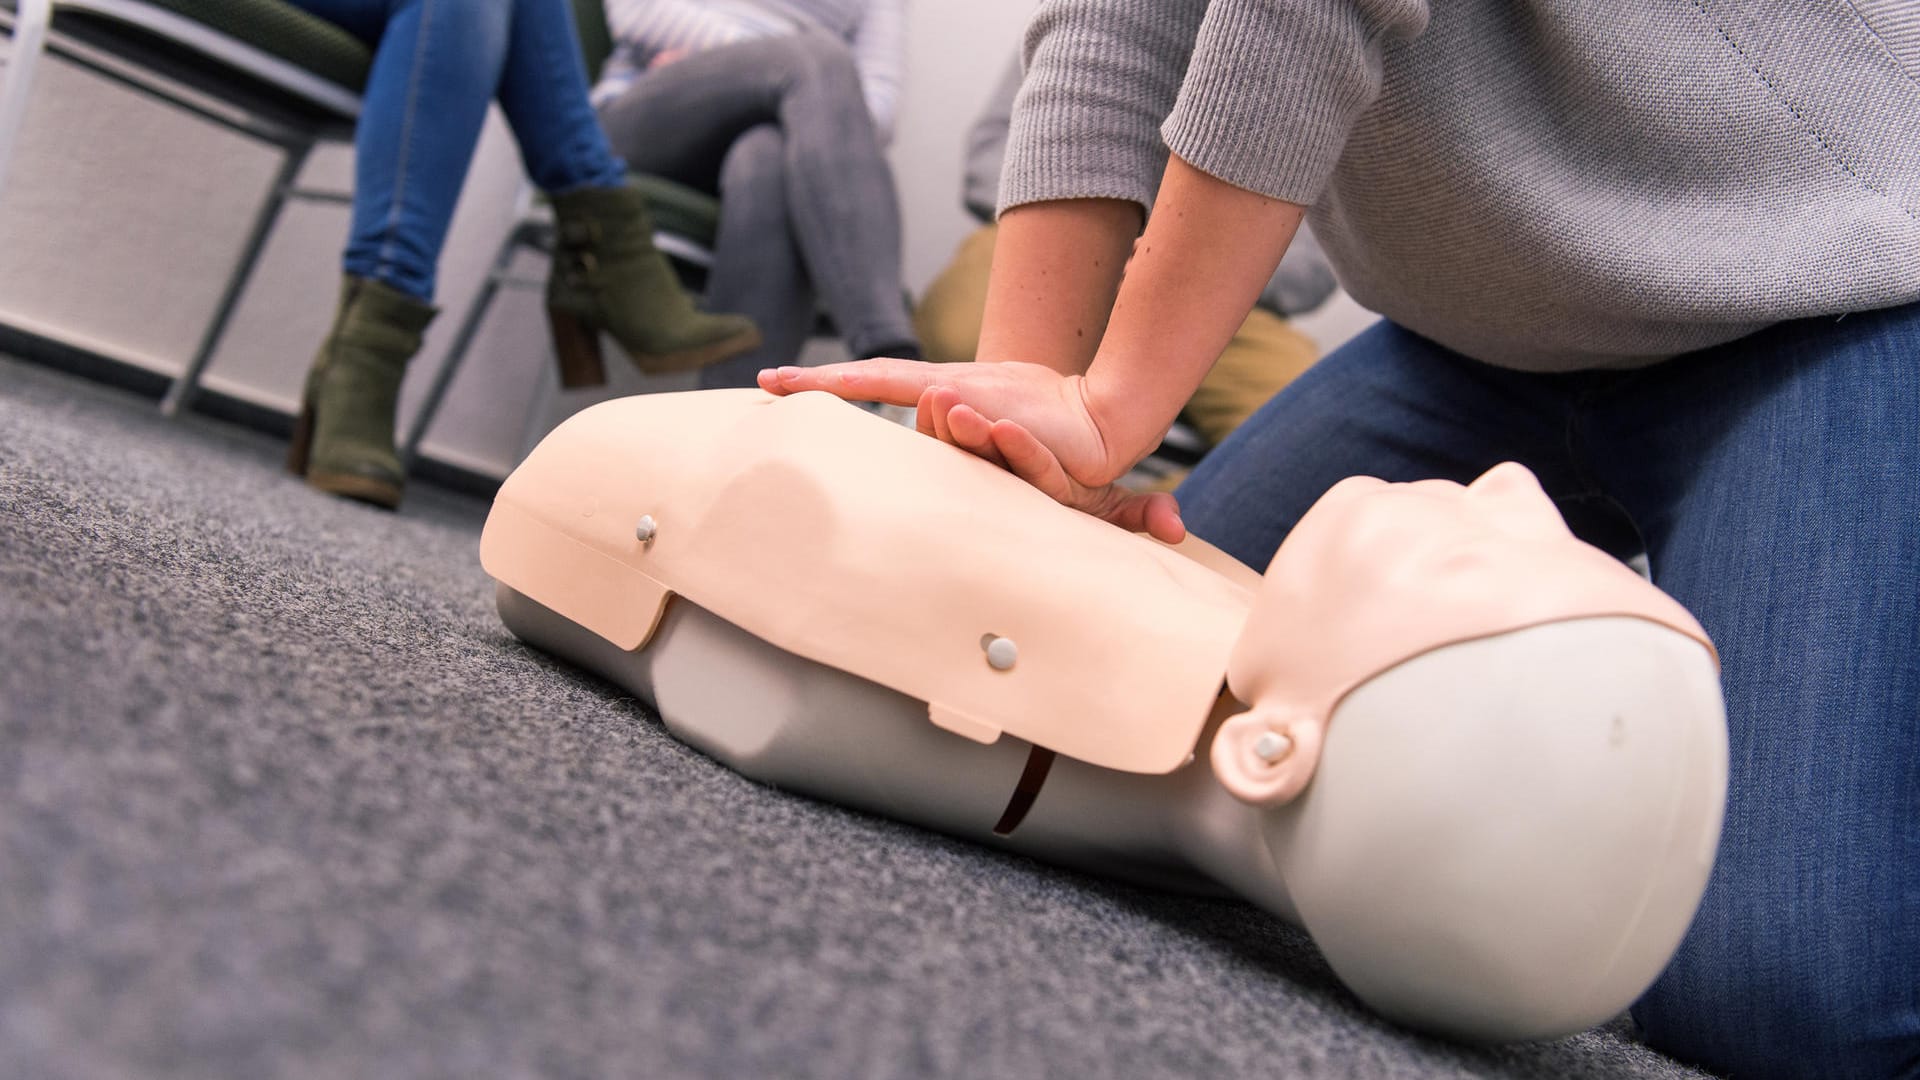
<point x="457" y="351"/>
<point x="181" y="393"/>
<point x="30" y="21"/>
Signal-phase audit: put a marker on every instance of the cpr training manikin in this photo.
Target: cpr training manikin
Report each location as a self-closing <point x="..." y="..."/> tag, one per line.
<point x="1481" y="763"/>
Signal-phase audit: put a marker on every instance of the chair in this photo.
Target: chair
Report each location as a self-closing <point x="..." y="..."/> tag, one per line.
<point x="292" y="80"/>
<point x="295" y="81"/>
<point x="278" y="74"/>
<point x="685" y="223"/>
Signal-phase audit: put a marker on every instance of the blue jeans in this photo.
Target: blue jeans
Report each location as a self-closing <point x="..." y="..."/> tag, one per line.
<point x="436" y="65"/>
<point x="1774" y="484"/>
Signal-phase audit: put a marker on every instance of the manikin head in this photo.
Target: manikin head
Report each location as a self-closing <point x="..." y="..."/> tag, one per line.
<point x="1466" y="724"/>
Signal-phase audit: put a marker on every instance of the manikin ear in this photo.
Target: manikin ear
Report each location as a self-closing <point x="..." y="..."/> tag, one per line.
<point x="1265" y="757"/>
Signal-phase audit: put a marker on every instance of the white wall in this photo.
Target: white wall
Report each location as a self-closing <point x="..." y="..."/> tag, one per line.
<point x="121" y="217"/>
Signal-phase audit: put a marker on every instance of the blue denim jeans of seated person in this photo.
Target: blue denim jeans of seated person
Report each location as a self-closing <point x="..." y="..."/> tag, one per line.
<point x="436" y="66"/>
<point x="1774" y="483"/>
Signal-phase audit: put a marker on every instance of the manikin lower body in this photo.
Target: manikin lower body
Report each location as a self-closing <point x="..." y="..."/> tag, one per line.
<point x="1512" y="867"/>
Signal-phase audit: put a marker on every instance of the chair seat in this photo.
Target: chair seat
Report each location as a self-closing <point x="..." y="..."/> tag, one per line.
<point x="679" y="209"/>
<point x="270" y="59"/>
<point x="279" y="29"/>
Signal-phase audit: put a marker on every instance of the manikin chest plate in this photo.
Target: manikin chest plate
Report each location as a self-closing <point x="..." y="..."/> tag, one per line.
<point x="858" y="544"/>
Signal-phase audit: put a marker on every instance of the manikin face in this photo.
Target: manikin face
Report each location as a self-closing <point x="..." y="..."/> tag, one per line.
<point x="1376" y="574"/>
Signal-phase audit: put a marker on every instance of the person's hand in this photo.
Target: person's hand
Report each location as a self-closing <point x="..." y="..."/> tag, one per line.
<point x="664" y="57"/>
<point x="1028" y="419"/>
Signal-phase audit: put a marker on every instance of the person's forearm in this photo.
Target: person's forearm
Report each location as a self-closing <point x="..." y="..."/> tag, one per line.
<point x="1207" y="252"/>
<point x="1056" y="269"/>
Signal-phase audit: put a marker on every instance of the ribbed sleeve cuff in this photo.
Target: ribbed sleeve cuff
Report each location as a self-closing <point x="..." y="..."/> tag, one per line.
<point x="1101" y="75"/>
<point x="1274" y="89"/>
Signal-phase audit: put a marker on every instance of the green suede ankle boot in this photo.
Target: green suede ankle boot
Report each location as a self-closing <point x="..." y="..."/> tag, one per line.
<point x="607" y="275"/>
<point x="343" y="442"/>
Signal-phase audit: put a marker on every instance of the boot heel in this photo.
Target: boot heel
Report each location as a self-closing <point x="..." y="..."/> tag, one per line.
<point x="576" y="343"/>
<point x="302" y="444"/>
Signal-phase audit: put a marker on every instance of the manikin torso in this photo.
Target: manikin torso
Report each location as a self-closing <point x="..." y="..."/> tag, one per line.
<point x="1483" y="765"/>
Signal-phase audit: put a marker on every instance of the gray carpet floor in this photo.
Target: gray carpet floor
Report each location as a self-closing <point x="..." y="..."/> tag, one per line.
<point x="280" y="797"/>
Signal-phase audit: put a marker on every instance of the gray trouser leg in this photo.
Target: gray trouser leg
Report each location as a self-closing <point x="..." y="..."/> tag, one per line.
<point x="757" y="269"/>
<point x="681" y="120"/>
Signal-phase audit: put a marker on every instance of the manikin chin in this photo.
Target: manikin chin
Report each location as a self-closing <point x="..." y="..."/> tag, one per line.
<point x="1482" y="763"/>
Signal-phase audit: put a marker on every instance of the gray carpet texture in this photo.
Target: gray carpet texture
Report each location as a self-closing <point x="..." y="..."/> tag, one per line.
<point x="279" y="796"/>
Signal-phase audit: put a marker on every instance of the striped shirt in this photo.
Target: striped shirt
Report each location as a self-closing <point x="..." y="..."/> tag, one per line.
<point x="874" y="29"/>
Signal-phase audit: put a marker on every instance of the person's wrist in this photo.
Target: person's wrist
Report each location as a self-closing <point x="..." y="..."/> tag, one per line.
<point x="1106" y="411"/>
<point x="1064" y="369"/>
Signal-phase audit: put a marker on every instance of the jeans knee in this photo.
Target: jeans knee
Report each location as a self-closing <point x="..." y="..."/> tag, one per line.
<point x="1792" y="1014"/>
<point x="476" y="30"/>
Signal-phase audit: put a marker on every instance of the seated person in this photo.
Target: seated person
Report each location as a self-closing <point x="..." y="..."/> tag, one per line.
<point x="781" y="108"/>
<point x="426" y="95"/>
<point x="1263" y="357"/>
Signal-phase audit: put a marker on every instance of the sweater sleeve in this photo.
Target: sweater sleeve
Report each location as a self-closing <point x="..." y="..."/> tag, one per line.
<point x="1101" y="76"/>
<point x="879" y="50"/>
<point x="1274" y="88"/>
<point x="987" y="145"/>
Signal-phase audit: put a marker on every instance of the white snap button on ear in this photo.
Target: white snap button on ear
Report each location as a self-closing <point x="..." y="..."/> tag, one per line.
<point x="1272" y="746"/>
<point x="1001" y="652"/>
<point x="644" y="531"/>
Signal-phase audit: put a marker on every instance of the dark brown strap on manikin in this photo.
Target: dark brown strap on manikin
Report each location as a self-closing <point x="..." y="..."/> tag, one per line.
<point x="1039" y="761"/>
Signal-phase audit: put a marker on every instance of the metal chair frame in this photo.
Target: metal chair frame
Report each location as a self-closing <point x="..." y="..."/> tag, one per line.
<point x="269" y="100"/>
<point x="532" y="230"/>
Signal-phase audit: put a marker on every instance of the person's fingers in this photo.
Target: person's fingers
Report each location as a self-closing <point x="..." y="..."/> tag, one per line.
<point x="969" y="429"/>
<point x="1029" y="459"/>
<point x="942" y="400"/>
<point x="1157" y="515"/>
<point x="923" y="414"/>
<point x="973" y="433"/>
<point x="1162" y="518"/>
<point x="896" y="382"/>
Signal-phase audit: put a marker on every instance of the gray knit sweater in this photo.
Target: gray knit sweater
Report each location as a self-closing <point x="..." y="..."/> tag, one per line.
<point x="1543" y="185"/>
